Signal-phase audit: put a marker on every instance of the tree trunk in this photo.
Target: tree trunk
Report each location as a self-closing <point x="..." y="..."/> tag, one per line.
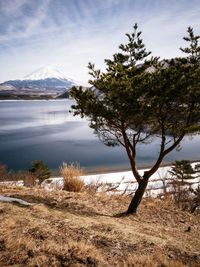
<point x="137" y="197"/>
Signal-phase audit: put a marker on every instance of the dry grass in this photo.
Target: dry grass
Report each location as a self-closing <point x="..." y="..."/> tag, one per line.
<point x="28" y="178"/>
<point x="5" y="175"/>
<point x="71" y="174"/>
<point x="80" y="229"/>
<point x="157" y="260"/>
<point x="38" y="245"/>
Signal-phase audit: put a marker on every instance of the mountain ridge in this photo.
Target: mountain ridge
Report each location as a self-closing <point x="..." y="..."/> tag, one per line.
<point x="45" y="82"/>
<point x="46" y="78"/>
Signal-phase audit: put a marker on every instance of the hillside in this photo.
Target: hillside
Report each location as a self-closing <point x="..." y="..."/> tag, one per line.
<point x="82" y="229"/>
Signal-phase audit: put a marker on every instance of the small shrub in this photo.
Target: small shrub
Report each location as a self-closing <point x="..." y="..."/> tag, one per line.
<point x="29" y="178"/>
<point x="5" y="173"/>
<point x="196" y="199"/>
<point x="95" y="186"/>
<point x="71" y="174"/>
<point x="40" y="170"/>
<point x="185" y="197"/>
<point x="181" y="194"/>
<point x="182" y="170"/>
<point x="10" y="176"/>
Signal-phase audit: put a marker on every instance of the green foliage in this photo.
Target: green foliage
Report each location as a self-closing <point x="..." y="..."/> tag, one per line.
<point x="40" y="170"/>
<point x="116" y="102"/>
<point x="182" y="170"/>
<point x="138" y="98"/>
<point x="143" y="100"/>
<point x="193" y="50"/>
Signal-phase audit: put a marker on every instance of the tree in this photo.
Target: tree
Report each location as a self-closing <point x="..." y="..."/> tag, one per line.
<point x="139" y="98"/>
<point x="182" y="170"/>
<point x="185" y="195"/>
<point x="40" y="170"/>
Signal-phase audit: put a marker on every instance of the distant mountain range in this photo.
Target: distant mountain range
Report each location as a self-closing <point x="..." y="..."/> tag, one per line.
<point x="43" y="83"/>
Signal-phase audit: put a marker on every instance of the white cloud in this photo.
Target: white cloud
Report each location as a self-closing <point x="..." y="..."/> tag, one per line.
<point x="72" y="36"/>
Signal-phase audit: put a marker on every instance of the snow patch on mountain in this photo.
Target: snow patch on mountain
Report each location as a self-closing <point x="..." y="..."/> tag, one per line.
<point x="43" y="79"/>
<point x="46" y="73"/>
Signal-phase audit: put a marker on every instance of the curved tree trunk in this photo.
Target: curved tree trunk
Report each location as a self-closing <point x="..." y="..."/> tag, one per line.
<point x="143" y="181"/>
<point x="137" y="197"/>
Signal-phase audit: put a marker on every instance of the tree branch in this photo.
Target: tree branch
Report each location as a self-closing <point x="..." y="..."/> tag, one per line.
<point x="161" y="153"/>
<point x="131" y="156"/>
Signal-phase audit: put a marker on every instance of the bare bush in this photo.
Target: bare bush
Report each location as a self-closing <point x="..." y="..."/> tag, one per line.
<point x="181" y="194"/>
<point x="5" y="175"/>
<point x="185" y="196"/>
<point x="11" y="177"/>
<point x="196" y="199"/>
<point x="98" y="185"/>
<point x="94" y="186"/>
<point x="71" y="175"/>
<point x="29" y="178"/>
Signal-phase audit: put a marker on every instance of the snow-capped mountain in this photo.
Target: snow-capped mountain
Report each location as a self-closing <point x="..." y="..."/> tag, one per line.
<point x="46" y="73"/>
<point x="46" y="78"/>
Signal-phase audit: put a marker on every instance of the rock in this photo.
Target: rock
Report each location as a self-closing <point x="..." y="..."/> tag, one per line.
<point x="189" y="229"/>
<point x="14" y="200"/>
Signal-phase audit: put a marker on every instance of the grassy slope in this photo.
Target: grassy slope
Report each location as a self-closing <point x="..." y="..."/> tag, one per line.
<point x="78" y="229"/>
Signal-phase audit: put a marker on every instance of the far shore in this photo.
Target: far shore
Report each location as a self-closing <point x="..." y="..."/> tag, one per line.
<point x="113" y="169"/>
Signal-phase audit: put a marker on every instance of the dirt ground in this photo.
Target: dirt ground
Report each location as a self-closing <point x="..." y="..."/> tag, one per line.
<point x="81" y="229"/>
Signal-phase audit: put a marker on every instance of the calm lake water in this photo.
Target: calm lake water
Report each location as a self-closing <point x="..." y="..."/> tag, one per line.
<point x="45" y="130"/>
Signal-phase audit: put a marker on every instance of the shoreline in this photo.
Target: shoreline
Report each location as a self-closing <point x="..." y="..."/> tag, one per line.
<point x="28" y="100"/>
<point x="108" y="170"/>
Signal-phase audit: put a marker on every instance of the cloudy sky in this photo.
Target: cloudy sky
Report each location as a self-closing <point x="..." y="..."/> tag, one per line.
<point x="68" y="34"/>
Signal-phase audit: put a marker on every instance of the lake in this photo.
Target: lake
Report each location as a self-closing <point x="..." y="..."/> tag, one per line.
<point x="45" y="130"/>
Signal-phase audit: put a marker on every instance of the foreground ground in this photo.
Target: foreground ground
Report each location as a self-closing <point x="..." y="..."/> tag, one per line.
<point x="81" y="229"/>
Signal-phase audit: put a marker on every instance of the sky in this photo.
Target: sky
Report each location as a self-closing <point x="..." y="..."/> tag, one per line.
<point x="67" y="34"/>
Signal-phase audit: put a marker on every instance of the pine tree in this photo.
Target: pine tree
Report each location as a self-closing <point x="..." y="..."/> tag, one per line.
<point x="139" y="98"/>
<point x="40" y="170"/>
<point x="182" y="170"/>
